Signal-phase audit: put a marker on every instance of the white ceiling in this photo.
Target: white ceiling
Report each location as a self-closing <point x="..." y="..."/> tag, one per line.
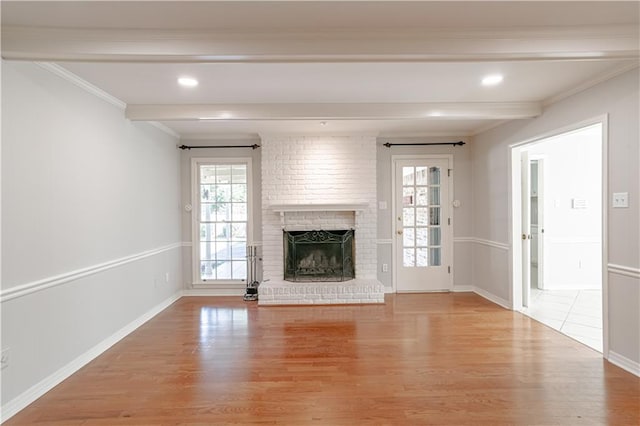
<point x="363" y="67"/>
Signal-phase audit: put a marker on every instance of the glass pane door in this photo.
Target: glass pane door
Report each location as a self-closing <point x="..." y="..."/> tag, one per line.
<point x="223" y="207"/>
<point x="421" y="216"/>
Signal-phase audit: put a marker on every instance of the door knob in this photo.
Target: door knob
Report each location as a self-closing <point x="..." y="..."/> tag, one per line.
<point x="400" y="232"/>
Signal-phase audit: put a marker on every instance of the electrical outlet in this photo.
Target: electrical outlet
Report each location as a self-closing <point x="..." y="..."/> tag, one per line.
<point x="385" y="267"/>
<point x="620" y="200"/>
<point x="4" y="361"/>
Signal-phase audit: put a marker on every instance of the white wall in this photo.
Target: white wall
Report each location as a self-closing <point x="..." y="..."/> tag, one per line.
<point x="619" y="98"/>
<point x="461" y="215"/>
<point x="90" y="224"/>
<point x="185" y="183"/>
<point x="572" y="236"/>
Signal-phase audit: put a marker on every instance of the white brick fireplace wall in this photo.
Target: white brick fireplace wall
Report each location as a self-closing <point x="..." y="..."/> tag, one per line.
<point x="319" y="170"/>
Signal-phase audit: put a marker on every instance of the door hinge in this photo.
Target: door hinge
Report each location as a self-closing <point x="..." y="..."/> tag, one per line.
<point x="449" y="221"/>
<point x="449" y="172"/>
<point x="448" y="269"/>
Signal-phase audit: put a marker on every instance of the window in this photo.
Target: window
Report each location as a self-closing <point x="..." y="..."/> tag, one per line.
<point x="222" y="219"/>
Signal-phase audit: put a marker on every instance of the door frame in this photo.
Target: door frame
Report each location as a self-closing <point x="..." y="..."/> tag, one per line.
<point x="394" y="159"/>
<point x="515" y="216"/>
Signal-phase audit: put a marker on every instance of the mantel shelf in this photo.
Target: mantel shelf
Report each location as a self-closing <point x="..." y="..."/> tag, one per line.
<point x="353" y="207"/>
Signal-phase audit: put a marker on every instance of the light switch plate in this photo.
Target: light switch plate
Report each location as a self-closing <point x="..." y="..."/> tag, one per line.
<point x="620" y="200"/>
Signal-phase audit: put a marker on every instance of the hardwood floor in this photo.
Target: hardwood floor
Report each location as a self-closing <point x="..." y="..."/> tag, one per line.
<point x="442" y="359"/>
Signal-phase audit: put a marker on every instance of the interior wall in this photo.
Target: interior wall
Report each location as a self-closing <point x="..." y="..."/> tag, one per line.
<point x="462" y="215"/>
<point x="572" y="232"/>
<point x="90" y="224"/>
<point x="619" y="99"/>
<point x="185" y="185"/>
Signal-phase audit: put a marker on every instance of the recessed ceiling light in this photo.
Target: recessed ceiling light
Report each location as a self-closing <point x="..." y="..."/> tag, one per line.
<point x="221" y="116"/>
<point x="492" y="80"/>
<point x="323" y="123"/>
<point x="435" y="114"/>
<point x="187" y="82"/>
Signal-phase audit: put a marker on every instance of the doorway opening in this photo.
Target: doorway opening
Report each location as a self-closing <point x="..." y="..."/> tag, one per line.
<point x="558" y="200"/>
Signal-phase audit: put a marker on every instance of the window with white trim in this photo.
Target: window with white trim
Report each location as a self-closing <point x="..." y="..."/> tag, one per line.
<point x="222" y="219"/>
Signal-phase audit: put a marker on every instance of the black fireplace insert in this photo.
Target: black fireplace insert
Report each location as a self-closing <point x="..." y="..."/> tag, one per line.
<point x="319" y="255"/>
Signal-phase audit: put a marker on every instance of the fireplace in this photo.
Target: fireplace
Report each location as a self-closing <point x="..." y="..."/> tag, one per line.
<point x="326" y="255"/>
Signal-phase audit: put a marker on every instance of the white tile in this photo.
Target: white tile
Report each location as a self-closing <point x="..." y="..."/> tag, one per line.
<point x="565" y="297"/>
<point x="581" y="330"/>
<point x="553" y="323"/>
<point x="547" y="312"/>
<point x="592" y="343"/>
<point x="590" y="321"/>
<point x="591" y="311"/>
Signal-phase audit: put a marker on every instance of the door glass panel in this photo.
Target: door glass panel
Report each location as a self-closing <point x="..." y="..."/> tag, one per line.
<point x="434" y="216"/>
<point x="421" y="196"/>
<point x="434" y="195"/>
<point x="434" y="256"/>
<point x="223" y="193"/>
<point x="408" y="175"/>
<point x="223" y="231"/>
<point x="421" y="175"/>
<point x="422" y="216"/>
<point x="434" y="236"/>
<point x="434" y="175"/>
<point x="421" y="237"/>
<point x="408" y="216"/>
<point x="421" y="257"/>
<point x="207" y="174"/>
<point x="239" y="212"/>
<point x="408" y="237"/>
<point x="207" y="193"/>
<point x="407" y="196"/>
<point x="239" y="232"/>
<point x="223" y="174"/>
<point x="207" y="250"/>
<point x="223" y="212"/>
<point x="239" y="174"/>
<point x="239" y="192"/>
<point x="409" y="257"/>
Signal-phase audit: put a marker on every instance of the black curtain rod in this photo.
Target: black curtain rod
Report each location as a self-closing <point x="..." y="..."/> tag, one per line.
<point x="254" y="146"/>
<point x="389" y="145"/>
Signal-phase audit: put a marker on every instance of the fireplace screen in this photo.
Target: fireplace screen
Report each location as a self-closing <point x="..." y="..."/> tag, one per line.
<point x="319" y="255"/>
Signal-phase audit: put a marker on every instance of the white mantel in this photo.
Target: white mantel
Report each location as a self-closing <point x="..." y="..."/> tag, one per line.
<point x="316" y="207"/>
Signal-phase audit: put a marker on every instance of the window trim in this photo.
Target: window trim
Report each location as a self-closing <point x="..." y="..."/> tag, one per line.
<point x="196" y="162"/>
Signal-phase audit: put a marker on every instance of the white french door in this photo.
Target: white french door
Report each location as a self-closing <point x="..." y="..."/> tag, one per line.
<point x="221" y="219"/>
<point x="422" y="224"/>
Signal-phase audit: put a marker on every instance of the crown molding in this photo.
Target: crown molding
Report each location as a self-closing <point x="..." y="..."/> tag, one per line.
<point x="344" y="45"/>
<point x="221" y="137"/>
<point x="590" y="83"/>
<point x="83" y="84"/>
<point x="165" y="129"/>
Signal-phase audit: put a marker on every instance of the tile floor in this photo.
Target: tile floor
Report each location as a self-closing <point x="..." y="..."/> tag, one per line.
<point x="576" y="313"/>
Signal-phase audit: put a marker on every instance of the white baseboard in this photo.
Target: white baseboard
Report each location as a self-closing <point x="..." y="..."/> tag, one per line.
<point x="462" y="288"/>
<point x="214" y="292"/>
<point x="12" y="407"/>
<point x="625" y="363"/>
<point x="492" y="297"/>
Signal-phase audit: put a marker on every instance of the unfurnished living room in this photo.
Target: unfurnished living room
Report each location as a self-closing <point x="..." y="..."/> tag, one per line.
<point x="320" y="212"/>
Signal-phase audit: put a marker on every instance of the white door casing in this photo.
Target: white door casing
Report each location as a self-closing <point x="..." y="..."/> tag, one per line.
<point x="422" y="223"/>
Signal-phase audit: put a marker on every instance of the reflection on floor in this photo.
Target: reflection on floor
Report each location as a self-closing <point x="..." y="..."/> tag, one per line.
<point x="576" y="313"/>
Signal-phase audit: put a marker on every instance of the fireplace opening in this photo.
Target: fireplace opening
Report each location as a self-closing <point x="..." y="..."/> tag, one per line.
<point x="326" y="255"/>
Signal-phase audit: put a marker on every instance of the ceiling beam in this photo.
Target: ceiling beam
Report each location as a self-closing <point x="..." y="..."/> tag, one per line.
<point x="337" y="45"/>
<point x="338" y="111"/>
